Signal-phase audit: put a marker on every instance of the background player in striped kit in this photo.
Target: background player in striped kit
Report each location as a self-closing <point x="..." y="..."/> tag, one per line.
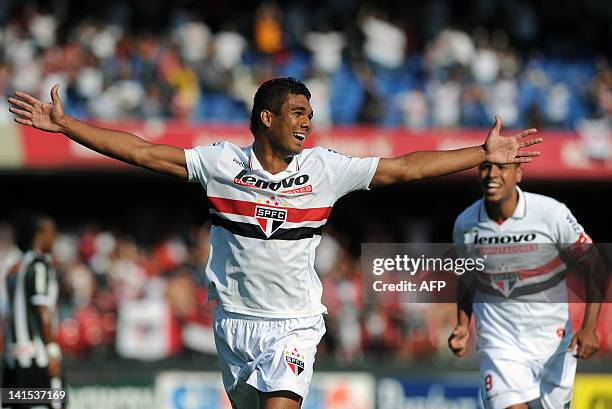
<point x="32" y="357"/>
<point x="527" y="350"/>
<point x="269" y="321"/>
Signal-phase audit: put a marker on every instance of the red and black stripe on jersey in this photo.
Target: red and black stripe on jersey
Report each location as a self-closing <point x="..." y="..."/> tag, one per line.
<point x="221" y="207"/>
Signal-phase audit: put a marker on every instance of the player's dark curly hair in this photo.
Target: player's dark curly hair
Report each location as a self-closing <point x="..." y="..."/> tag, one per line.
<point x="271" y="96"/>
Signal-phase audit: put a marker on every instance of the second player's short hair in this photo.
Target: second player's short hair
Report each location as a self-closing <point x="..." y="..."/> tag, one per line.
<point x="29" y="224"/>
<point x="271" y="96"/>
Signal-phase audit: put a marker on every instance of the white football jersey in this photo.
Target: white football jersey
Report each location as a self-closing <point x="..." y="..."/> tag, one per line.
<point x="521" y="299"/>
<point x="265" y="227"/>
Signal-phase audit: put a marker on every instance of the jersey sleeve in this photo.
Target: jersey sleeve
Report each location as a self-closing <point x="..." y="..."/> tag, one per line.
<point x="348" y="173"/>
<point x="38" y="283"/>
<point x="201" y="162"/>
<point x="571" y="237"/>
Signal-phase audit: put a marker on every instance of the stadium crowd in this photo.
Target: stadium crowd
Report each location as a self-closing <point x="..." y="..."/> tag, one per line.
<point x="118" y="295"/>
<point x="364" y="63"/>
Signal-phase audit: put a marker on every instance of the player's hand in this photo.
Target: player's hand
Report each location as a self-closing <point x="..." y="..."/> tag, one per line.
<point x="458" y="340"/>
<point x="41" y="115"/>
<point x="55" y="367"/>
<point x="587" y="342"/>
<point x="502" y="150"/>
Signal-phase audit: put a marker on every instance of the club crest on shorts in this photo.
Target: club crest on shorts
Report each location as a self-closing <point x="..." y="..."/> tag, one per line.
<point x="295" y="360"/>
<point x="269" y="216"/>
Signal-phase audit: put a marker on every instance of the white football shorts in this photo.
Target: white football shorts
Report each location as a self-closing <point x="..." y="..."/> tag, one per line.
<point x="505" y="382"/>
<point x="267" y="354"/>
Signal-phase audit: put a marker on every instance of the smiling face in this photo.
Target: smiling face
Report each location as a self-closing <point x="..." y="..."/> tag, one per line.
<point x="288" y="130"/>
<point x="498" y="182"/>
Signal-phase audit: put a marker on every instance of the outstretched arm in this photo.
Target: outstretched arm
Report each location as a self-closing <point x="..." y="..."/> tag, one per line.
<point x="119" y="145"/>
<point x="425" y="164"/>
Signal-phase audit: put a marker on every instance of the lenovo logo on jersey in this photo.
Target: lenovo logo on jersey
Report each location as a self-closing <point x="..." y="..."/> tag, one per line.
<point x="270" y="219"/>
<point x="514" y="238"/>
<point x="297" y="183"/>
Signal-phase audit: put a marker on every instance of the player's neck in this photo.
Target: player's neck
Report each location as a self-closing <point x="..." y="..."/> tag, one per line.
<point x="504" y="209"/>
<point x="35" y="245"/>
<point x="269" y="158"/>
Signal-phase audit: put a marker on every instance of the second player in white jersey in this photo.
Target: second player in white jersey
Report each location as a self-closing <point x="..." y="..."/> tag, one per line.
<point x="525" y="337"/>
<point x="525" y="259"/>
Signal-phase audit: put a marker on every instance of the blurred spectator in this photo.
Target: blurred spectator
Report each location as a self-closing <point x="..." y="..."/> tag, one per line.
<point x="126" y="275"/>
<point x="326" y="49"/>
<point x="229" y="46"/>
<point x="43" y="28"/>
<point x="268" y="29"/>
<point x="558" y="106"/>
<point x="602" y="89"/>
<point x="373" y="103"/>
<point x="182" y="295"/>
<point x="384" y="43"/>
<point x="321" y="99"/>
<point x="193" y="37"/>
<point x="9" y="257"/>
<point x="186" y="92"/>
<point x="485" y="64"/>
<point x="451" y="47"/>
<point x="597" y="137"/>
<point x="81" y="284"/>
<point x="474" y="107"/>
<point x="414" y="108"/>
<point x="504" y="100"/>
<point x="445" y="96"/>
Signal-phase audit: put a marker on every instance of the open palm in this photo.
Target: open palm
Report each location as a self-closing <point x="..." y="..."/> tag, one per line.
<point x="33" y="112"/>
<point x="503" y="150"/>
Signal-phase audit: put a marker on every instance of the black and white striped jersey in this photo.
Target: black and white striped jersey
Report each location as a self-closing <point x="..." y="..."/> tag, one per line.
<point x="35" y="284"/>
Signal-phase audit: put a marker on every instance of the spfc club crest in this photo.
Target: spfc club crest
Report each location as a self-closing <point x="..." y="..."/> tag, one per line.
<point x="269" y="216"/>
<point x="504" y="282"/>
<point x="295" y="361"/>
